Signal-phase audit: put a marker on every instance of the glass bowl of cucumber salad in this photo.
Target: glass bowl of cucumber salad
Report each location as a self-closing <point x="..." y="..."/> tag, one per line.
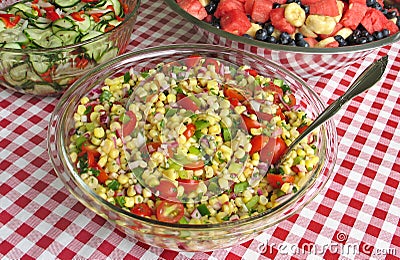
<point x="178" y="145"/>
<point x="46" y="45"/>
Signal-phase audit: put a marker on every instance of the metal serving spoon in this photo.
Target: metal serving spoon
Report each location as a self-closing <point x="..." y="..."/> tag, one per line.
<point x="367" y="79"/>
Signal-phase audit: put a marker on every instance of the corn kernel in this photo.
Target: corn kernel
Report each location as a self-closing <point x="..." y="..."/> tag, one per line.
<point x="98" y="132"/>
<point x="84" y="100"/>
<point x="81" y="110"/>
<point x="285" y="187"/>
<point x="129" y="202"/>
<point x="123" y="179"/>
<point x="223" y="198"/>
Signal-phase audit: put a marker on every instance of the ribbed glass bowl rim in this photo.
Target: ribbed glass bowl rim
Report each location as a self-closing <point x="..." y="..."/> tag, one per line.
<point x="182" y="49"/>
<point x="279" y="47"/>
<point x="72" y="47"/>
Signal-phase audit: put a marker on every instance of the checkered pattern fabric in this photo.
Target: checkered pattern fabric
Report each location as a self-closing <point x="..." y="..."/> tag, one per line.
<point x="355" y="217"/>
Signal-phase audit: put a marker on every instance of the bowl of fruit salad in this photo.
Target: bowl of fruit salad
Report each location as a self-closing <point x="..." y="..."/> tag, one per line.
<point x="178" y="145"/>
<point x="47" y="45"/>
<point x="308" y="37"/>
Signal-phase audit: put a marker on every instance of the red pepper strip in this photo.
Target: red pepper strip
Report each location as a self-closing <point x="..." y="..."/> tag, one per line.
<point x="37" y="9"/>
<point x="35" y="1"/>
<point x="77" y="16"/>
<point x="126" y="8"/>
<point x="120" y="19"/>
<point x="51" y="13"/>
<point x="96" y="17"/>
<point x="10" y="20"/>
<point x="110" y="7"/>
<point x="109" y="27"/>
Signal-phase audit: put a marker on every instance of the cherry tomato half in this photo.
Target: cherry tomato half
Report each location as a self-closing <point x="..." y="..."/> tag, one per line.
<point x="142" y="209"/>
<point x="194" y="166"/>
<point x="130" y="125"/>
<point x="274" y="88"/>
<point x="258" y="142"/>
<point x="169" y="211"/>
<point x="276" y="180"/>
<point x="279" y="147"/>
<point x="302" y="128"/>
<point x="152" y="147"/>
<point x="188" y="184"/>
<point x="250" y="123"/>
<point x="192" y="60"/>
<point x="232" y="93"/>
<point x="187" y="104"/>
<point x="167" y="190"/>
<point x="292" y="100"/>
<point x="190" y="130"/>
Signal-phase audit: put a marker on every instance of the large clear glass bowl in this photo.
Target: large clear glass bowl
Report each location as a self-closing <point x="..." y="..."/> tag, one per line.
<point x="187" y="237"/>
<point x="305" y="62"/>
<point x="18" y="74"/>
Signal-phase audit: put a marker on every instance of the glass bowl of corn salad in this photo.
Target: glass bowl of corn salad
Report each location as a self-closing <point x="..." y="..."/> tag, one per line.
<point x="46" y="45"/>
<point x="177" y="145"/>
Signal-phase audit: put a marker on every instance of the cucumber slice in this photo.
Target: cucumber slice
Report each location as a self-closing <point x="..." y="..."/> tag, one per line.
<point x="41" y="22"/>
<point x="66" y="3"/>
<point x="36" y="34"/>
<point x="114" y="22"/>
<point x="39" y="63"/>
<point x="62" y="24"/>
<point x="49" y="42"/>
<point x="117" y="7"/>
<point x="22" y="10"/>
<point x="84" y="25"/>
<point x="2" y="26"/>
<point x="67" y="37"/>
<point x="11" y="45"/>
<point x="90" y="35"/>
<point x="19" y="73"/>
<point x="112" y="53"/>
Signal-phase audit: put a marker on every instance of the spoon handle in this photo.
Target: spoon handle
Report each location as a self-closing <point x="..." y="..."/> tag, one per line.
<point x="367" y="79"/>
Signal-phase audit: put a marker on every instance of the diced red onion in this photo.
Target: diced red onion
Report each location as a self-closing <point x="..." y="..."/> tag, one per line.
<point x="301" y="167"/>
<point x="283" y="102"/>
<point x="260" y="192"/>
<point x="196" y="214"/>
<point x="255" y="105"/>
<point x="138" y="188"/>
<point x="277" y="132"/>
<point x="84" y="118"/>
<point x="217" y="205"/>
<point x="115" y="142"/>
<point x="234" y="217"/>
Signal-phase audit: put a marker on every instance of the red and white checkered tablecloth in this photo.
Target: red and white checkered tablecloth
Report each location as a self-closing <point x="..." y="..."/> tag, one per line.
<point x="356" y="216"/>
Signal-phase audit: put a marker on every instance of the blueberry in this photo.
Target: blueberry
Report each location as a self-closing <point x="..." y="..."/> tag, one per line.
<point x="302" y="43"/>
<point x="215" y="22"/>
<point x="378" y="35"/>
<point x="385" y="33"/>
<point x="291" y="43"/>
<point x="211" y="7"/>
<point x="269" y="28"/>
<point x="261" y="35"/>
<point x="361" y="40"/>
<point x="398" y="21"/>
<point x="276" y="5"/>
<point x="370" y="2"/>
<point x="271" y="39"/>
<point x="298" y="37"/>
<point x="370" y="38"/>
<point x="391" y="15"/>
<point x="340" y="40"/>
<point x="290" y="1"/>
<point x="377" y="6"/>
<point x="306" y="8"/>
<point x="364" y="33"/>
<point x="285" y="36"/>
<point x="247" y="36"/>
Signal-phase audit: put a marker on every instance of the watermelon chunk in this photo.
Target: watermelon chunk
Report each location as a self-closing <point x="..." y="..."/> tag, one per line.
<point x="261" y="10"/>
<point x="277" y="17"/>
<point x="324" y="7"/>
<point x="225" y="6"/>
<point x="236" y="22"/>
<point x="248" y="6"/>
<point x="375" y="20"/>
<point x="194" y="8"/>
<point x="311" y="41"/>
<point x="354" y="14"/>
<point x="308" y="2"/>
